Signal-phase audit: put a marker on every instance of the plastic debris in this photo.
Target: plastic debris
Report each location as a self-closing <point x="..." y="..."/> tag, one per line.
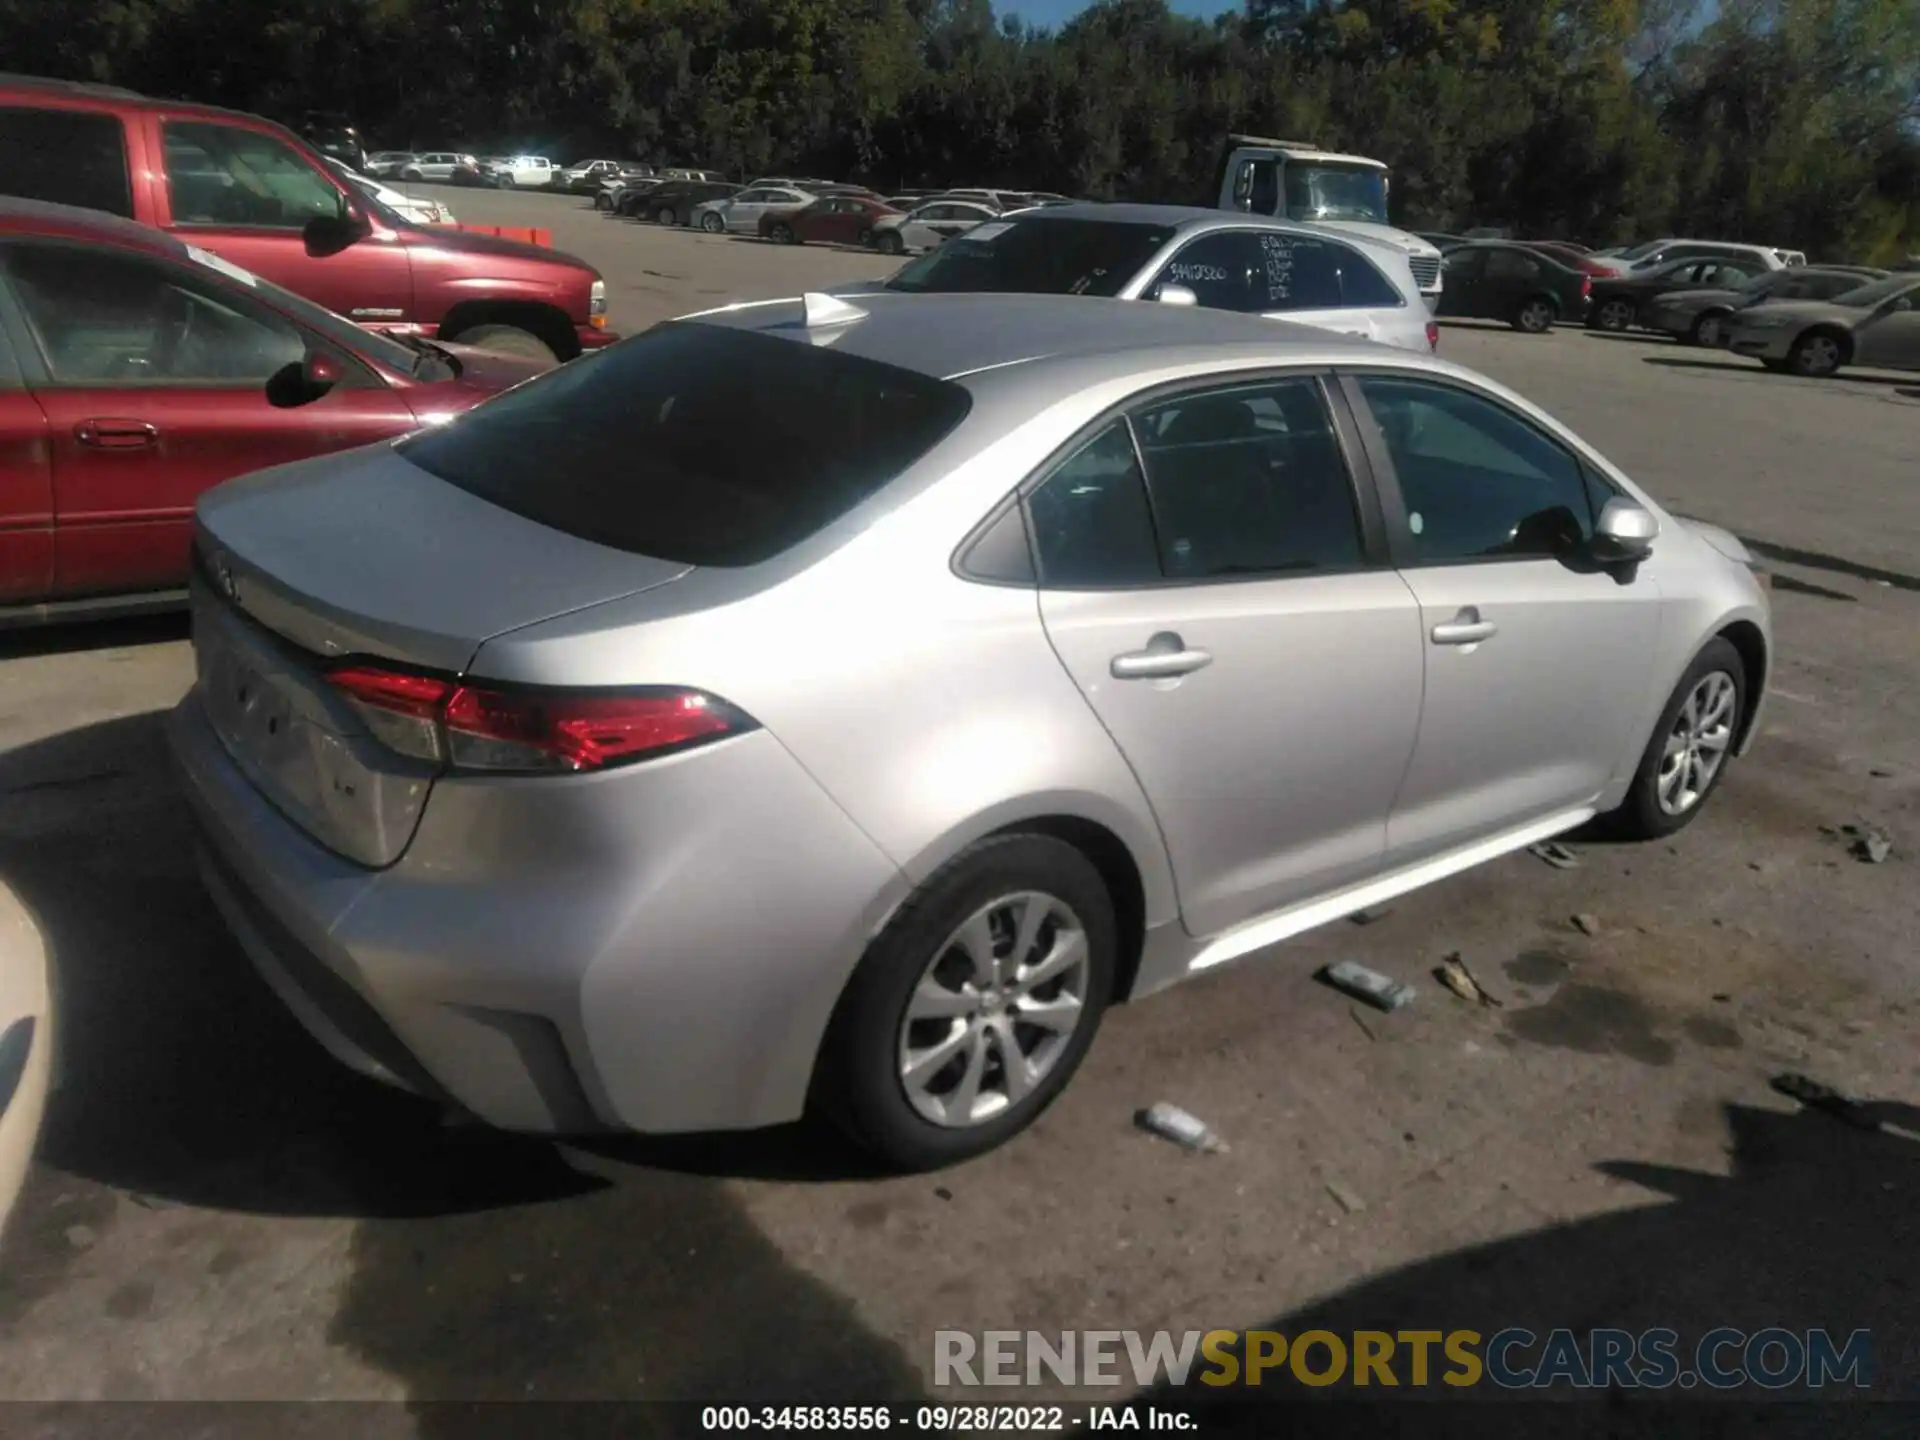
<point x="1189" y="1132"/>
<point x="1367" y="917"/>
<point x="1453" y="973"/>
<point x="1555" y="854"/>
<point x="1368" y="985"/>
<point x="1815" y="1096"/>
<point x="1872" y="846"/>
<point x="1587" y="924"/>
<point x="1349" y="1201"/>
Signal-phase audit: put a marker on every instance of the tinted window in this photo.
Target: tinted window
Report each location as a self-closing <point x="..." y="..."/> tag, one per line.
<point x="222" y="175"/>
<point x="1511" y="265"/>
<point x="1478" y="482"/>
<point x="103" y="319"/>
<point x="696" y="443"/>
<point x="1090" y="523"/>
<point x="1038" y="256"/>
<point x="1465" y="263"/>
<point x="1249" y="480"/>
<point x="66" y="156"/>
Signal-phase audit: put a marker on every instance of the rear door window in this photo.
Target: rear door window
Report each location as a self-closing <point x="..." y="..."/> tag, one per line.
<point x="69" y="157"/>
<point x="696" y="443"/>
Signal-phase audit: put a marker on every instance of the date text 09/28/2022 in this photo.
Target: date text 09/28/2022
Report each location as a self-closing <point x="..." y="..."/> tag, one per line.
<point x="944" y="1419"/>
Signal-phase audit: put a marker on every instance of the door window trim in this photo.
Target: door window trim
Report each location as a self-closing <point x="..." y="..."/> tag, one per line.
<point x="1371" y="516"/>
<point x="1387" y="480"/>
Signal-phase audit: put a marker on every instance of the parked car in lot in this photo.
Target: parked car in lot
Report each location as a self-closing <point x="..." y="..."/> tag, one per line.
<point x="1499" y="280"/>
<point x="1651" y="254"/>
<point x="1876" y="324"/>
<point x="1576" y="257"/>
<point x="1405" y="658"/>
<point x="248" y="191"/>
<point x="1698" y="317"/>
<point x="421" y="210"/>
<point x="616" y="192"/>
<point x="1217" y="260"/>
<point x="438" y="165"/>
<point x="1619" y="300"/>
<point x="836" y="219"/>
<point x="673" y="203"/>
<point x="524" y="172"/>
<point x="334" y="138"/>
<point x="588" y="176"/>
<point x="388" y="164"/>
<point x="928" y="226"/>
<point x="136" y="371"/>
<point x="741" y="213"/>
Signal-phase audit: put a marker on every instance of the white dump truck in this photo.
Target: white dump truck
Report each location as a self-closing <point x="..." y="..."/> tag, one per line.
<point x="1298" y="180"/>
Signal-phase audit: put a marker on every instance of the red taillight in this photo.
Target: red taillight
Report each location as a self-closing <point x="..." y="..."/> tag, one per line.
<point x="1433" y="336"/>
<point x="475" y="727"/>
<point x="1586" y="287"/>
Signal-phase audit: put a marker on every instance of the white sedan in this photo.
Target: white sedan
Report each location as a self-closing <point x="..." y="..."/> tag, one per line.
<point x="931" y="225"/>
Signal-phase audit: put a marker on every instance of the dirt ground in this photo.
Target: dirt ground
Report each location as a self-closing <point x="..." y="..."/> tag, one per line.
<point x="220" y="1212"/>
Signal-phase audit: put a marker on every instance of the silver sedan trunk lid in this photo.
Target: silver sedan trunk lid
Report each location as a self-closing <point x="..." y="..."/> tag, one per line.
<point x="366" y="556"/>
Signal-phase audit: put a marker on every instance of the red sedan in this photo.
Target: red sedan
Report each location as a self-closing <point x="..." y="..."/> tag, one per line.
<point x="137" y="371"/>
<point x="834" y="219"/>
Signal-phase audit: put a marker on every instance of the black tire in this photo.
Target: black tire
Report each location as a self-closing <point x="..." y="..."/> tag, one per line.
<point x="865" y="238"/>
<point x="890" y="243"/>
<point x="1709" y="330"/>
<point x="508" y="340"/>
<point x="665" y="216"/>
<point x="1613" y="316"/>
<point x="712" y="223"/>
<point x="1817" y="354"/>
<point x="504" y="181"/>
<point x="1535" y="315"/>
<point x="603" y="201"/>
<point x="783" y="235"/>
<point x="410" y="175"/>
<point x="861" y="1086"/>
<point x="1641" y="816"/>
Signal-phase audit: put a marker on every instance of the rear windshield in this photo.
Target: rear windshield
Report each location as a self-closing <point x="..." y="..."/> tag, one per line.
<point x="695" y="443"/>
<point x="1037" y="256"/>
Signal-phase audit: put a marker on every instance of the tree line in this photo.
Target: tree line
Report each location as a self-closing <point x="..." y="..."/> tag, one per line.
<point x="1789" y="122"/>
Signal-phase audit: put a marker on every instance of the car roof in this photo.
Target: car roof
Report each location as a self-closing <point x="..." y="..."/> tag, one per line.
<point x="946" y="336"/>
<point x="1197" y="219"/>
<point x="42" y="217"/>
<point x="119" y="99"/>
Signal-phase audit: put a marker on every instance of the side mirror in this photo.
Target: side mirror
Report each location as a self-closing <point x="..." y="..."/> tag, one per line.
<point x="330" y="234"/>
<point x="1625" y="532"/>
<point x="1176" y="295"/>
<point x="303" y="381"/>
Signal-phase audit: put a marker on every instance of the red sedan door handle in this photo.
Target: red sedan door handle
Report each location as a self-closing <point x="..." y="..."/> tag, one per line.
<point x="117" y="434"/>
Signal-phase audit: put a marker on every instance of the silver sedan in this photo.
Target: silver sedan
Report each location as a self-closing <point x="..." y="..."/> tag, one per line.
<point x="849" y="701"/>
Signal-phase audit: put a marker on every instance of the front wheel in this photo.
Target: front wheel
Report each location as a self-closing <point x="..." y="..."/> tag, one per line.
<point x="890" y="243"/>
<point x="1687" y="756"/>
<point x="1815" y="355"/>
<point x="1535" y="317"/>
<point x="1614" y="316"/>
<point x="508" y="340"/>
<point x="974" y="1007"/>
<point x="1710" y="330"/>
<point x="664" y="215"/>
<point x="504" y="182"/>
<point x="783" y="235"/>
<point x="409" y="174"/>
<point x="712" y="223"/>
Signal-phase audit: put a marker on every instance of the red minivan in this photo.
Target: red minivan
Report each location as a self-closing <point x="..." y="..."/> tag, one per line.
<point x="254" y="193"/>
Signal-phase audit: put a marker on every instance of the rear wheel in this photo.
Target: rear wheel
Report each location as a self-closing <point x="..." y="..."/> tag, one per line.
<point x="1688" y="754"/>
<point x="783" y="234"/>
<point x="971" y="1011"/>
<point x="712" y="223"/>
<point x="410" y="174"/>
<point x="504" y="181"/>
<point x="508" y="340"/>
<point x="1535" y="316"/>
<point x="1816" y="354"/>
<point x="1709" y="330"/>
<point x="664" y="215"/>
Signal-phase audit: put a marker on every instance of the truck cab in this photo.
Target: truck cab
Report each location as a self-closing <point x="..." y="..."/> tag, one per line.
<point x="254" y="193"/>
<point x="1298" y="180"/>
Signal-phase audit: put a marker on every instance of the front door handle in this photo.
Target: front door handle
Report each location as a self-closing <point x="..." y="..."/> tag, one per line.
<point x="1466" y="628"/>
<point x="116" y="434"/>
<point x="1166" y="657"/>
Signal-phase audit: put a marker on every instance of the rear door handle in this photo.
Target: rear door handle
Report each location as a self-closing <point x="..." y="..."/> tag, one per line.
<point x="1466" y="628"/>
<point x="1166" y="657"/>
<point x="116" y="434"/>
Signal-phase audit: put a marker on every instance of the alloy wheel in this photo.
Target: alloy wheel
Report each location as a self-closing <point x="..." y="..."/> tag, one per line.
<point x="1707" y="332"/>
<point x="1536" y="317"/>
<point x="1816" y="355"/>
<point x="712" y="223"/>
<point x="1697" y="745"/>
<point x="995" y="1009"/>
<point x="1616" y="315"/>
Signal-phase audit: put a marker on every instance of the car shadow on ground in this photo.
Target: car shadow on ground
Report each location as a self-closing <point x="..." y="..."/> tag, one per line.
<point x="1812" y="1226"/>
<point x="1753" y="367"/>
<point x="157" y="629"/>
<point x="1637" y="337"/>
